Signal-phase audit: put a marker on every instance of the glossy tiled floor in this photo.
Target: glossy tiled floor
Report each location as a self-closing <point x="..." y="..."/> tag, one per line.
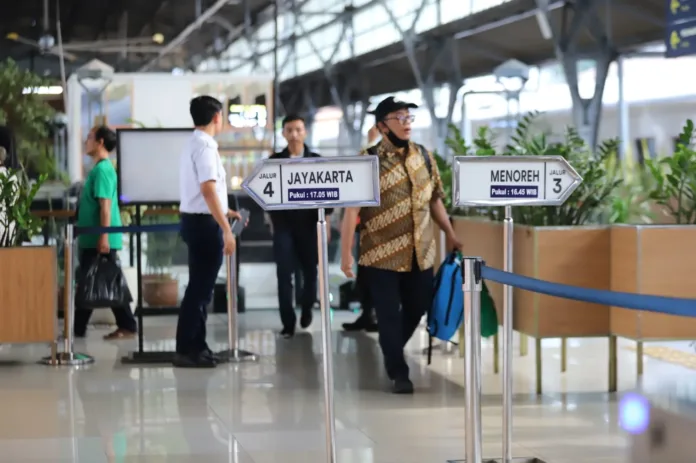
<point x="271" y="411"/>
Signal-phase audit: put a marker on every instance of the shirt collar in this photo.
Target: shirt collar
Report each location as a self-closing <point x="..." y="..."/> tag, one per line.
<point x="204" y="136"/>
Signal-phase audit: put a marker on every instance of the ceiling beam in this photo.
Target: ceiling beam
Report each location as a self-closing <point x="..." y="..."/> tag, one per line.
<point x="186" y="33"/>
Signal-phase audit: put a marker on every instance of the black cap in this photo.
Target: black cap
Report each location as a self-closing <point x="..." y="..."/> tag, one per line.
<point x="389" y="105"/>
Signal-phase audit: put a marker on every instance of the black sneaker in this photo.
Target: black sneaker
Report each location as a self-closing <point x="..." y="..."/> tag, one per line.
<point x="194" y="361"/>
<point x="306" y="318"/>
<point x="402" y="386"/>
<point x="287" y="333"/>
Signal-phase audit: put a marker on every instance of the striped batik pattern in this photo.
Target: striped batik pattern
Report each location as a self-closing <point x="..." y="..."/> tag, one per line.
<point x="402" y="224"/>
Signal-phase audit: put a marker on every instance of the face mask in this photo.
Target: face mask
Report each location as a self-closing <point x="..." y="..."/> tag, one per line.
<point x="396" y="141"/>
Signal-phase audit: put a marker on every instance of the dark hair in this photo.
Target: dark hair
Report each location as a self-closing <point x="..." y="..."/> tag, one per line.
<point x="292" y="118"/>
<point x="105" y="135"/>
<point x="203" y="109"/>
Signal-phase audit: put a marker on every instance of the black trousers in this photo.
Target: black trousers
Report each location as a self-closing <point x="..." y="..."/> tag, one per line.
<point x="123" y="315"/>
<point x="400" y="300"/>
<point x="291" y="246"/>
<point x="203" y="237"/>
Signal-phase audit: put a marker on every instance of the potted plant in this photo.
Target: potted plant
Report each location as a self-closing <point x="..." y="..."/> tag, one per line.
<point x="29" y="274"/>
<point x="160" y="287"/>
<point x="658" y="258"/>
<point x="565" y="244"/>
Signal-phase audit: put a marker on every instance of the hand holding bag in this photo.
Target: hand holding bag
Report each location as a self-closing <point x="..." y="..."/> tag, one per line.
<point x="102" y="285"/>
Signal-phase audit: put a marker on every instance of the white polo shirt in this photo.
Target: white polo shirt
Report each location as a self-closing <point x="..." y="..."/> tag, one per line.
<point x="200" y="163"/>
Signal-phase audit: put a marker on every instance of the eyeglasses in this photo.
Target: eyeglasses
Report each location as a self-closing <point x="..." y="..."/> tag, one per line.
<point x="402" y="119"/>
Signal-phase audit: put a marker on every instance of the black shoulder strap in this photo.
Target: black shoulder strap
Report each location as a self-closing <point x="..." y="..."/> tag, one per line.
<point x="372" y="150"/>
<point x="426" y="158"/>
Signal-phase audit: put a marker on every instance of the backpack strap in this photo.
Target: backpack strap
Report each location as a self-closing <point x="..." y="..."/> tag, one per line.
<point x="372" y="150"/>
<point x="426" y="158"/>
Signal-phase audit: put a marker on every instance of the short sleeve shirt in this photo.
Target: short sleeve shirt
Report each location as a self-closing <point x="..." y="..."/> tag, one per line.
<point x="201" y="162"/>
<point x="402" y="224"/>
<point x="101" y="183"/>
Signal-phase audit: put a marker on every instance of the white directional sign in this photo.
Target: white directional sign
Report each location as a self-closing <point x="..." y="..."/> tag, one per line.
<point x="314" y="183"/>
<point x="513" y="180"/>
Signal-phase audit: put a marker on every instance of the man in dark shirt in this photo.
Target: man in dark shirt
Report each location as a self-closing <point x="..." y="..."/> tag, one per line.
<point x="295" y="239"/>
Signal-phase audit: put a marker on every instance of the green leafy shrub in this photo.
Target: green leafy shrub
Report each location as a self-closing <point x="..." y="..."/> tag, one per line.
<point x="675" y="178"/>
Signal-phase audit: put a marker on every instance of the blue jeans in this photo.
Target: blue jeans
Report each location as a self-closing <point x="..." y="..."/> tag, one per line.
<point x="203" y="237"/>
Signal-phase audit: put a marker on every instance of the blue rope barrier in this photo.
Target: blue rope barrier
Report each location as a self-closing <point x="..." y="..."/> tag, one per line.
<point x="650" y="303"/>
<point x="164" y="227"/>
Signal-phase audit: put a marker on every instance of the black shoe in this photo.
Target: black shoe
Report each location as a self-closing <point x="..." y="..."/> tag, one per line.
<point x="306" y="318"/>
<point x="194" y="361"/>
<point x="287" y="333"/>
<point x="402" y="386"/>
<point x="362" y="323"/>
<point x="207" y="353"/>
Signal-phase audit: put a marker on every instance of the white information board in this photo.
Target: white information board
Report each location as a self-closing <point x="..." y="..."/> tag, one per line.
<point x="513" y="180"/>
<point x="148" y="164"/>
<point x="314" y="183"/>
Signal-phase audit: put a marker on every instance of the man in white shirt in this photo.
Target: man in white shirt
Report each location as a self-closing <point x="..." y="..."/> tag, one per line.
<point x="205" y="229"/>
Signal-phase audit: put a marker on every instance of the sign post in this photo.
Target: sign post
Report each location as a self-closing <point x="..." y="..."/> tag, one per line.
<point x="318" y="183"/>
<point x="510" y="181"/>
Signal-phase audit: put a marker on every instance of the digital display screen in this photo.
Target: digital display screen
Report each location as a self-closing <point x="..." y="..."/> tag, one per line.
<point x="244" y="116"/>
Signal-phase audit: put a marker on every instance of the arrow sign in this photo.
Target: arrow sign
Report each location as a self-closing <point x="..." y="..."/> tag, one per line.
<point x="315" y="183"/>
<point x="513" y="180"/>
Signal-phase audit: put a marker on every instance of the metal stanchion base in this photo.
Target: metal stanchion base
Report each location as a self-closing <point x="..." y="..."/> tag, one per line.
<point x="501" y="460"/>
<point x="71" y="359"/>
<point x="140" y="358"/>
<point x="236" y="356"/>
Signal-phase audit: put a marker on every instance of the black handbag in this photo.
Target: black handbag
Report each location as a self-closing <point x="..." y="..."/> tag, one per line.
<point x="102" y="285"/>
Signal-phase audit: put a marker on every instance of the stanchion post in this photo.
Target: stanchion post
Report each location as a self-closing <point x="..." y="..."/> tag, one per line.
<point x="326" y="337"/>
<point x="68" y="289"/>
<point x="471" y="285"/>
<point x="508" y="250"/>
<point x="234" y="354"/>
<point x="68" y="356"/>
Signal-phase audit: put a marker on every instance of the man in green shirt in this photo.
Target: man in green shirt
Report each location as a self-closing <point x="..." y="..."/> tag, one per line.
<point x="98" y="207"/>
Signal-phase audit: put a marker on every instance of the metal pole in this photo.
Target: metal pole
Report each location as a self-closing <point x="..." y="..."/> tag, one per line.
<point x="508" y="235"/>
<point x="68" y="291"/>
<point x="326" y="338"/>
<point x="276" y="71"/>
<point x="68" y="356"/>
<point x="234" y="354"/>
<point x="471" y="285"/>
<point x="232" y="333"/>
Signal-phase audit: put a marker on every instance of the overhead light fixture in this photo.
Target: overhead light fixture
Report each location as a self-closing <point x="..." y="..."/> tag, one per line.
<point x="512" y="75"/>
<point x="158" y="38"/>
<point x="12" y="36"/>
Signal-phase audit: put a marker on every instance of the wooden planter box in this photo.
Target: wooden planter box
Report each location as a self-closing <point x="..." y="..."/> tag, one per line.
<point x="658" y="260"/>
<point x="578" y="256"/>
<point x="28" y="288"/>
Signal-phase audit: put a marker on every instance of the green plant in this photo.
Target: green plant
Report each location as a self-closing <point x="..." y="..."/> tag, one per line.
<point x="17" y="193"/>
<point x="27" y="114"/>
<point x="631" y="203"/>
<point x="675" y="178"/>
<point x="589" y="201"/>
<point x="445" y="170"/>
<point x="481" y="145"/>
<point x="591" y="198"/>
